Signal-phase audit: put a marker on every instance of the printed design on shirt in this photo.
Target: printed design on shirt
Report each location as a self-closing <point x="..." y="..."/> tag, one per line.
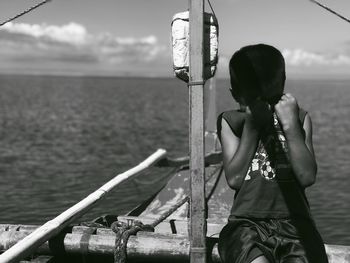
<point x="272" y="154"/>
<point x="267" y="168"/>
<point x="262" y="164"/>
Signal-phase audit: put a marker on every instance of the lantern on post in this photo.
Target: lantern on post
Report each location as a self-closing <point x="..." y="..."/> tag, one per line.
<point x="180" y="44"/>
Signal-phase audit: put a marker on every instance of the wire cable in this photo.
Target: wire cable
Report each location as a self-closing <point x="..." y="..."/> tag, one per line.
<point x="212" y="10"/>
<point x="330" y="10"/>
<point x="24" y="12"/>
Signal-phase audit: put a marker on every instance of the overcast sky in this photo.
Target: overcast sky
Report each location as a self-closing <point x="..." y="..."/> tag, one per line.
<point x="132" y="37"/>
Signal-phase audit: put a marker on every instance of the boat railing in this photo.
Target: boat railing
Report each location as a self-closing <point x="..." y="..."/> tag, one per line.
<point x="211" y="158"/>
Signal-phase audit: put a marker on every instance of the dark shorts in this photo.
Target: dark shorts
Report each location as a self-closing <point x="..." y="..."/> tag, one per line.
<point x="279" y="240"/>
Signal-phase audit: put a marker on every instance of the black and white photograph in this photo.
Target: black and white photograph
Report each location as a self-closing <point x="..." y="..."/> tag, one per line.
<point x="199" y="131"/>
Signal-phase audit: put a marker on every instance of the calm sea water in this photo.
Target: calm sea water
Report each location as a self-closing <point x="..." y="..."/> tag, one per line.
<point x="62" y="137"/>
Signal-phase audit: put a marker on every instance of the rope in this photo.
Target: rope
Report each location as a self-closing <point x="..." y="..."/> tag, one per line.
<point x="212" y="10"/>
<point x="25" y="12"/>
<point x="166" y="214"/>
<point x="123" y="231"/>
<point x="330" y="10"/>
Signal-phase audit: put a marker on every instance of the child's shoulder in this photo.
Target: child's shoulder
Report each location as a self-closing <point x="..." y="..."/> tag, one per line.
<point x="235" y="119"/>
<point x="234" y="116"/>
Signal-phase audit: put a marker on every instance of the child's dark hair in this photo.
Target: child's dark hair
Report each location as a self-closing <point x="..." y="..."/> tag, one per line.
<point x="257" y="71"/>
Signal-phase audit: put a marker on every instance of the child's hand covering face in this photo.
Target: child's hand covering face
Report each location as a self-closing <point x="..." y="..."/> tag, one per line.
<point x="287" y="111"/>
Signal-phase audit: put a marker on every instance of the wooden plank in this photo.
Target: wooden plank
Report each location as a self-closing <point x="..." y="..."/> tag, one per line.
<point x="145" y="244"/>
<point x="338" y="254"/>
<point x="54" y="226"/>
<point x="197" y="204"/>
<point x="39" y="259"/>
<point x="211" y="158"/>
<point x="176" y="189"/>
<point x="9" y="227"/>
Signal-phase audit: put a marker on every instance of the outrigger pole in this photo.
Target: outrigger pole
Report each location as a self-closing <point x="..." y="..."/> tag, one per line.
<point x="30" y="243"/>
<point x="197" y="228"/>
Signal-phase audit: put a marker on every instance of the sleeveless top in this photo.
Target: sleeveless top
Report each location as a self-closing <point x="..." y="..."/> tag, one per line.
<point x="270" y="188"/>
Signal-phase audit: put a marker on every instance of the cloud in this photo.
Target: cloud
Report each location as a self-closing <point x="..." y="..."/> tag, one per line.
<point x="302" y="62"/>
<point x="299" y="57"/>
<point x="71" y="33"/>
<point x="72" y="47"/>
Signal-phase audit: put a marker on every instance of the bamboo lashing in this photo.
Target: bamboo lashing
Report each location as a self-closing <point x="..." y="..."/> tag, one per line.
<point x="144" y="246"/>
<point x="28" y="245"/>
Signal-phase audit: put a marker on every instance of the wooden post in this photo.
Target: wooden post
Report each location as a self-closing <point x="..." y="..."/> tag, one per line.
<point x="197" y="229"/>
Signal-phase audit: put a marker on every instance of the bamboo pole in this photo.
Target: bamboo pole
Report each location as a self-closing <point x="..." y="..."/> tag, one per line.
<point x="197" y="229"/>
<point x="145" y="246"/>
<point x="29" y="244"/>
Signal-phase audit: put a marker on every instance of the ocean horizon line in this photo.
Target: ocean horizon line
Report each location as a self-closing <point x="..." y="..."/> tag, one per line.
<point x="322" y="77"/>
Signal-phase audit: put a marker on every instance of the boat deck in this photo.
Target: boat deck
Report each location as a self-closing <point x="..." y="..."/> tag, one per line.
<point x="169" y="242"/>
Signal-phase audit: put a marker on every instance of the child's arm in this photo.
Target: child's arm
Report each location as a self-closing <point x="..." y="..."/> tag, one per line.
<point x="300" y="149"/>
<point x="237" y="152"/>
